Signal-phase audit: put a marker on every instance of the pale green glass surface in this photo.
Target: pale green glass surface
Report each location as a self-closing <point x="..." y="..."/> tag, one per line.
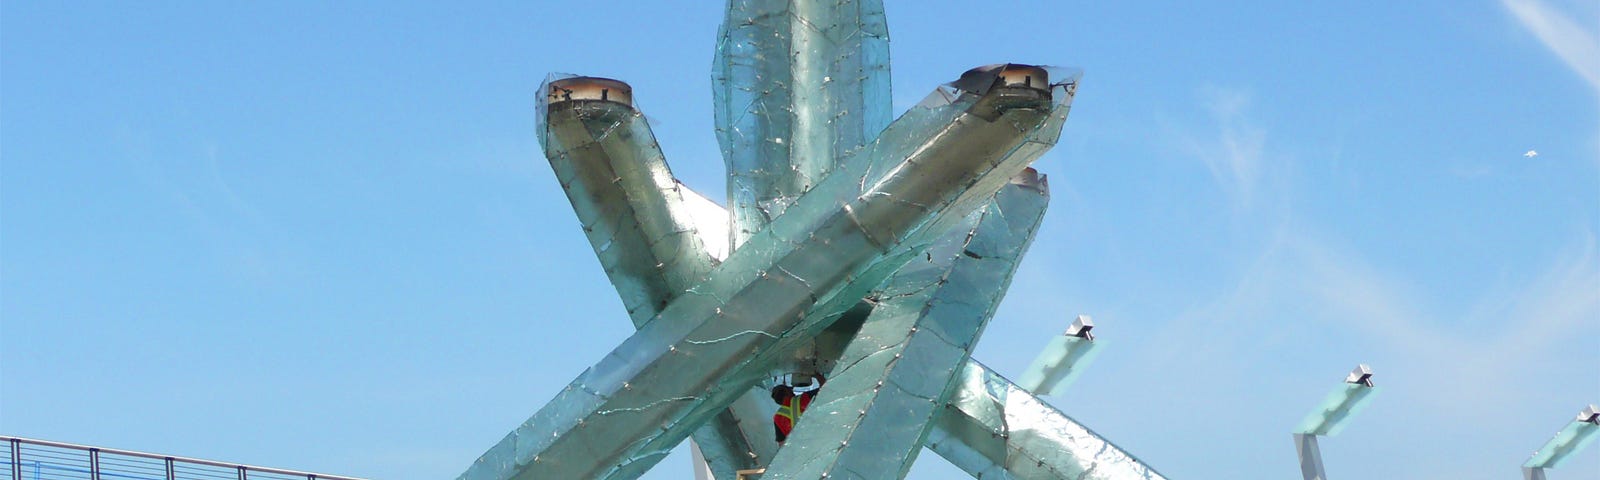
<point x="993" y="429"/>
<point x="798" y="86"/>
<point x="1334" y="413"/>
<point x="894" y="374"/>
<point x="811" y="265"/>
<point x="1570" y="440"/>
<point x="1060" y="364"/>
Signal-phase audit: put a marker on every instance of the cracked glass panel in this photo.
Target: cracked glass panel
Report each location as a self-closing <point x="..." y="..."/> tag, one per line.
<point x="798" y="85"/>
<point x="1063" y="359"/>
<point x="808" y="267"/>
<point x="1570" y="440"/>
<point x="897" y="371"/>
<point x="994" y="429"/>
<point x="1333" y="414"/>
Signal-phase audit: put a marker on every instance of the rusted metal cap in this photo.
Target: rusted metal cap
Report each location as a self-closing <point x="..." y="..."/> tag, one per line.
<point x="589" y="88"/>
<point x="1029" y="178"/>
<point x="1010" y="75"/>
<point x="1018" y="75"/>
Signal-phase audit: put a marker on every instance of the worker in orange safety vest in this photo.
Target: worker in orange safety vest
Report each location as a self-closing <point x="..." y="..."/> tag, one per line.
<point x="790" y="406"/>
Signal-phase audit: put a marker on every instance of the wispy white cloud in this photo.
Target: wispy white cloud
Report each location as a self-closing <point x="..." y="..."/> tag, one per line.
<point x="1576" y="45"/>
<point x="190" y="175"/>
<point x="1470" y="171"/>
<point x="1233" y="147"/>
<point x="1452" y="352"/>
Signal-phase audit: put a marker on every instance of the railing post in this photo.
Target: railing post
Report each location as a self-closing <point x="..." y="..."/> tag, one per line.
<point x="16" y="459"/>
<point x="94" y="464"/>
<point x="242" y="474"/>
<point x="172" y="473"/>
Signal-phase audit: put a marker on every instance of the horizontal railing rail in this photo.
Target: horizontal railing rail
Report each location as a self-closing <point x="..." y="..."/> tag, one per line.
<point x="32" y="459"/>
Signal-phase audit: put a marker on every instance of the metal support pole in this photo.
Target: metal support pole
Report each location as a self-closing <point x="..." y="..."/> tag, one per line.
<point x="16" y="459"/>
<point x="172" y="471"/>
<point x="94" y="464"/>
<point x="1310" y="457"/>
<point x="242" y="474"/>
<point x="1533" y="473"/>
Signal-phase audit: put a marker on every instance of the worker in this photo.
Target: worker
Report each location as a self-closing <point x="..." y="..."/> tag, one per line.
<point x="790" y="406"/>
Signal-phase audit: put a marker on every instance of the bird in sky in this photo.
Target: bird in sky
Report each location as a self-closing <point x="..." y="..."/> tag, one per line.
<point x="1531" y="154"/>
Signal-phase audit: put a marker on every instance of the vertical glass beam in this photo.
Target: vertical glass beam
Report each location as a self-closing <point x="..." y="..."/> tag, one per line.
<point x="640" y="221"/>
<point x="798" y="85"/>
<point x="994" y="429"/>
<point x="871" y="420"/>
<point x="1305" y="446"/>
<point x="810" y="266"/>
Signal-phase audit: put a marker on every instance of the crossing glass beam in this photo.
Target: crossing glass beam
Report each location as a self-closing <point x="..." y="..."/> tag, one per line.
<point x="871" y="420"/>
<point x="993" y="429"/>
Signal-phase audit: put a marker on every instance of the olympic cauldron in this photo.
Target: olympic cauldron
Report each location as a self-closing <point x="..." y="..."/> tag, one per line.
<point x="870" y="250"/>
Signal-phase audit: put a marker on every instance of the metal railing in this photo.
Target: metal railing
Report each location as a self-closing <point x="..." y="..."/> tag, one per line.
<point x="29" y="459"/>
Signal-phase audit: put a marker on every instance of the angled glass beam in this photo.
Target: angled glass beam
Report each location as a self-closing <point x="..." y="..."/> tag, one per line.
<point x="1572" y="438"/>
<point x="739" y="437"/>
<point x="894" y="374"/>
<point x="1330" y="417"/>
<point x="810" y="266"/>
<point x="1333" y="414"/>
<point x="955" y="420"/>
<point x="994" y="429"/>
<point x="1063" y="359"/>
<point x="798" y="85"/>
<point x="643" y="225"/>
<point x="631" y="208"/>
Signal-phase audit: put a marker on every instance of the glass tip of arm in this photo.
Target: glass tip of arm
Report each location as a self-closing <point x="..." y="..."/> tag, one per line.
<point x="1333" y="414"/>
<point x="1577" y="434"/>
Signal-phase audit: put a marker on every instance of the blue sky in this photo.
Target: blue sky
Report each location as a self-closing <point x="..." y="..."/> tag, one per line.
<point x="323" y="237"/>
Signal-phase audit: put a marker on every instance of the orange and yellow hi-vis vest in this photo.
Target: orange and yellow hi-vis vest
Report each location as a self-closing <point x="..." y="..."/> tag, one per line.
<point x="789" y="412"/>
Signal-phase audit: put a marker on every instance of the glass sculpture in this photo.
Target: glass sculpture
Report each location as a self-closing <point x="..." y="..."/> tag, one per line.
<point x="869" y="250"/>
